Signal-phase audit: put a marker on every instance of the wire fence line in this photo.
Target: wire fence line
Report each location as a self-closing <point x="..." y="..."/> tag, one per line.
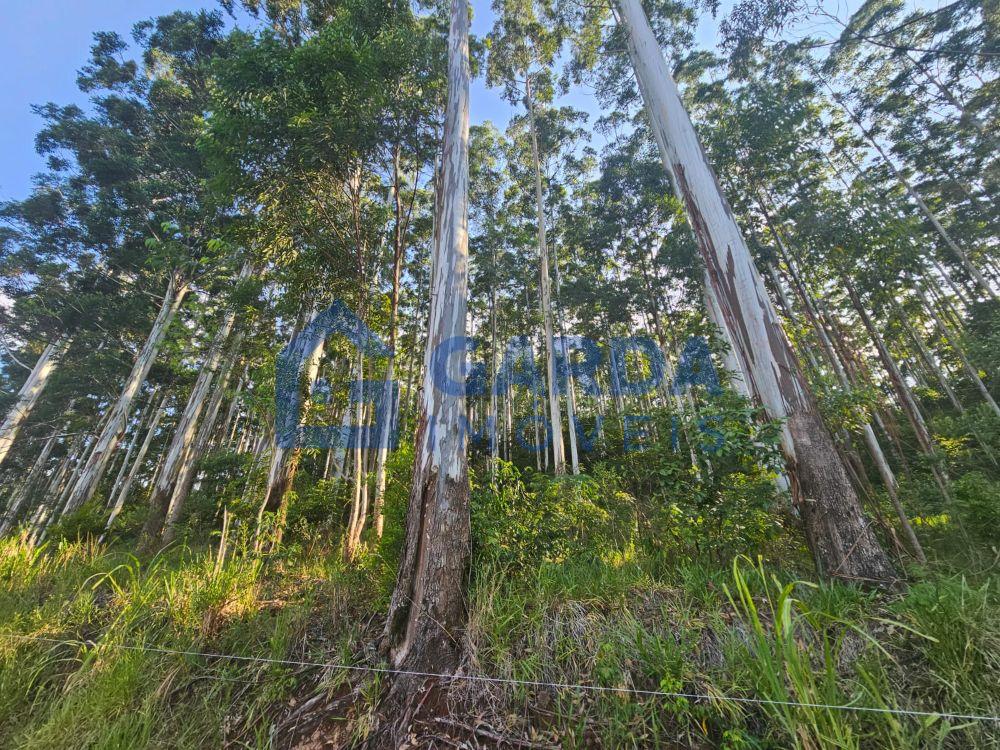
<point x="514" y="682"/>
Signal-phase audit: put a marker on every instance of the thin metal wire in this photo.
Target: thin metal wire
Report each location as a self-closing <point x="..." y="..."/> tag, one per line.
<point x="510" y="681"/>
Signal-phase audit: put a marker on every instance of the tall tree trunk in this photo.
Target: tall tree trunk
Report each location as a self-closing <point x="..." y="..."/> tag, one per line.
<point x="126" y="487"/>
<point x="840" y="536"/>
<point x="27" y="397"/>
<point x="352" y="535"/>
<point x="92" y="473"/>
<point x="232" y="413"/>
<point x="907" y="401"/>
<point x="140" y="427"/>
<point x="390" y="406"/>
<point x="927" y="357"/>
<point x="184" y="435"/>
<point x="871" y="440"/>
<point x="545" y="294"/>
<point x="186" y="474"/>
<point x="956" y="346"/>
<point x="285" y="461"/>
<point x="493" y="417"/>
<point x="427" y="612"/>
<point x="574" y="453"/>
<point x="23" y="491"/>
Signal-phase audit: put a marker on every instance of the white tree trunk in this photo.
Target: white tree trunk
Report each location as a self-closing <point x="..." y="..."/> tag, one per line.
<point x="136" y="465"/>
<point x="356" y="523"/>
<point x="186" y="474"/>
<point x="285" y="461"/>
<point x="27" y="397"/>
<point x="92" y="473"/>
<point x="545" y="294"/>
<point x="574" y="453"/>
<point x="185" y="432"/>
<point x="23" y="491"/>
<point x="390" y="400"/>
<point x="428" y="605"/>
<point x="840" y="536"/>
<point x="140" y="428"/>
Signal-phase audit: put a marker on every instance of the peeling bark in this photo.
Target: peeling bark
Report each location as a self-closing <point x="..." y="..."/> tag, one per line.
<point x="427" y="612"/>
<point x="841" y="538"/>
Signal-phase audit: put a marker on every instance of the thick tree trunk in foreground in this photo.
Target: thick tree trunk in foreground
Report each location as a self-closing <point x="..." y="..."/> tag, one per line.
<point x="114" y="427"/>
<point x="428" y="612"/>
<point x="871" y="440"/>
<point x="27" y="397"/>
<point x="841" y="538"/>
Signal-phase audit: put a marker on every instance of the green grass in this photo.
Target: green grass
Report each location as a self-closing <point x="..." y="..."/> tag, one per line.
<point x="71" y="615"/>
<point x="622" y="623"/>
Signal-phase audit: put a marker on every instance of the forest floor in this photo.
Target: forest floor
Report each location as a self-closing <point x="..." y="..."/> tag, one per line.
<point x="99" y="649"/>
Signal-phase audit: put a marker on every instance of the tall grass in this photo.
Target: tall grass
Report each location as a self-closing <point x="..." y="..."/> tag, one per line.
<point x="81" y="625"/>
<point x="83" y="632"/>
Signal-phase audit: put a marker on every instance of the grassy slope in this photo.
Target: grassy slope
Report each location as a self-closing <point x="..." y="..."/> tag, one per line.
<point x="618" y="623"/>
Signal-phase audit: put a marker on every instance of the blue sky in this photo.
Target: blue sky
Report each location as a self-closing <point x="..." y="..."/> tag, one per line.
<point x="42" y="45"/>
<point x="44" y="42"/>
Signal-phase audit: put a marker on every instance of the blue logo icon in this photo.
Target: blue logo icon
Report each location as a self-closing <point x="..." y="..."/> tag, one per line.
<point x="336" y="319"/>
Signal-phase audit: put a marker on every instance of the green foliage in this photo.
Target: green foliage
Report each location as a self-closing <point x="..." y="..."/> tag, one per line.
<point x="978" y="501"/>
<point x="87" y="521"/>
<point x="524" y="519"/>
<point x="91" y="604"/>
<point x="723" y="502"/>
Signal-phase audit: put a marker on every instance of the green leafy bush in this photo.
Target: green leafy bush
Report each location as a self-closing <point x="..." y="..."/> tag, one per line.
<point x="528" y="518"/>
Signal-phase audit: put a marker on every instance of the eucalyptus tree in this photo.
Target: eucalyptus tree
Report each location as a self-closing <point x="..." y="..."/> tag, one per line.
<point x="839" y="535"/>
<point x="487" y="235"/>
<point x="335" y="169"/>
<point x="48" y="275"/>
<point x="916" y="89"/>
<point x="428" y="603"/>
<point x="149" y="176"/>
<point x="522" y="50"/>
<point x="763" y="133"/>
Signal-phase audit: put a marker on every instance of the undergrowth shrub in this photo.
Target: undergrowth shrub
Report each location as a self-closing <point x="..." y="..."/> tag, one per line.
<point x="88" y="520"/>
<point x="523" y="519"/>
<point x="710" y="490"/>
<point x="978" y="500"/>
